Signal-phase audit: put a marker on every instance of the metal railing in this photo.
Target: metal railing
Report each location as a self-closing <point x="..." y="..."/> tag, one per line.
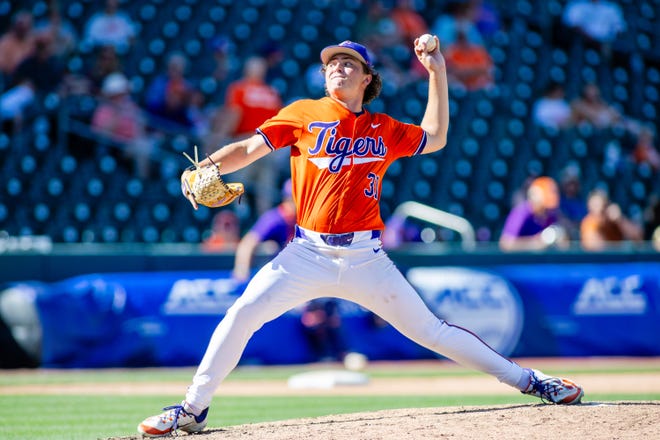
<point x="439" y="218"/>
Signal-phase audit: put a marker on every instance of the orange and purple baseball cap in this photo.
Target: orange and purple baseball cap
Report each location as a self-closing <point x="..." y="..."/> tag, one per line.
<point x="347" y="47"/>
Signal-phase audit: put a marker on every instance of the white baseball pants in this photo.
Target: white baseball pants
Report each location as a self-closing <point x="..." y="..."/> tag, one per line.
<point x="361" y="272"/>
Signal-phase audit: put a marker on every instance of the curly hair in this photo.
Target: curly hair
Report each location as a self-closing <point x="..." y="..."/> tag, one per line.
<point x="373" y="88"/>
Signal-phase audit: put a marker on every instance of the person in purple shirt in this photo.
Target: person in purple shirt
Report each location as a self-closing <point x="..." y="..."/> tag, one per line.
<point x="534" y="223"/>
<point x="275" y="226"/>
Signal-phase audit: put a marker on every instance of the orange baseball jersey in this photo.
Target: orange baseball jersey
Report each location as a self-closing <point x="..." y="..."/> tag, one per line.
<point x="256" y="102"/>
<point x="338" y="160"/>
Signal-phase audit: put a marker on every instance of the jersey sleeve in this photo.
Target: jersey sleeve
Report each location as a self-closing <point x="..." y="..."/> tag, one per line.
<point x="285" y="128"/>
<point x="409" y="139"/>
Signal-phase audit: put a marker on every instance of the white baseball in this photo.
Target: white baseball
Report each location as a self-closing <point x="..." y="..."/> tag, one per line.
<point x="429" y="40"/>
<point x="355" y="361"/>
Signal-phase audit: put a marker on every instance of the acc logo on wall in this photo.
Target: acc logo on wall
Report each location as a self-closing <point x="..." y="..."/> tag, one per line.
<point x="482" y="302"/>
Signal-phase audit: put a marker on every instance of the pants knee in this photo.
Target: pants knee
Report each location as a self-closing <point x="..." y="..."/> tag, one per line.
<point x="248" y="316"/>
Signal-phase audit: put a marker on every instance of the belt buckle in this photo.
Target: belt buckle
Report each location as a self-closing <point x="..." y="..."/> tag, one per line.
<point x="338" y="239"/>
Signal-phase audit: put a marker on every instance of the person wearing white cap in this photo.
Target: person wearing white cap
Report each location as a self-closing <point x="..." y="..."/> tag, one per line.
<point x="119" y="118"/>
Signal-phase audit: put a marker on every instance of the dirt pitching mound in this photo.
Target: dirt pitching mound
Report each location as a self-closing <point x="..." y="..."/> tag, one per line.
<point x="593" y="420"/>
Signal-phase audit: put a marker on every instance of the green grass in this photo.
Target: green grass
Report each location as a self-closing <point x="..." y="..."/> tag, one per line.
<point x="37" y="377"/>
<point x="90" y="417"/>
<point x="74" y="417"/>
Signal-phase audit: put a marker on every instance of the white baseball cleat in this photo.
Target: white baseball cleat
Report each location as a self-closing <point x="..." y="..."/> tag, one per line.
<point x="174" y="418"/>
<point x="553" y="389"/>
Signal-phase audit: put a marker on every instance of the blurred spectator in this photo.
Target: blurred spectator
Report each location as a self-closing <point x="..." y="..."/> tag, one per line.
<point x="226" y="63"/>
<point x="376" y="29"/>
<point x="605" y="223"/>
<point x="469" y="65"/>
<point x="652" y="221"/>
<point x="380" y="32"/>
<point x="572" y="204"/>
<point x="106" y="61"/>
<point x="590" y="108"/>
<point x="169" y="94"/>
<point x="119" y="118"/>
<point x="552" y="110"/>
<point x="274" y="229"/>
<point x="36" y="76"/>
<point x="64" y="34"/>
<point x="459" y="16"/>
<point x="534" y="223"/>
<point x="322" y="325"/>
<point x="400" y="230"/>
<point x="645" y="151"/>
<point x="273" y="54"/>
<point x="225" y="232"/>
<point x="17" y="43"/>
<point x="519" y="194"/>
<point x="598" y="22"/>
<point x="110" y="27"/>
<point x="248" y="103"/>
<point x="200" y="113"/>
<point x="409" y="21"/>
<point x="485" y="17"/>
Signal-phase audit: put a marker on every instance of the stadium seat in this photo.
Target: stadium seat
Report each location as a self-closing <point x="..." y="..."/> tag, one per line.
<point x="499" y="168"/>
<point x="422" y="190"/>
<point x="109" y="234"/>
<point x="160" y="213"/>
<point x="463" y="168"/>
<point x="95" y="187"/>
<point x="191" y="234"/>
<point x="122" y="212"/>
<point x="82" y="212"/>
<point x="492" y="144"/>
<point x="459" y="190"/>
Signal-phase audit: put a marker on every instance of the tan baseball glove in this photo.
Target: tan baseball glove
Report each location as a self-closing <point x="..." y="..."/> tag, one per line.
<point x="207" y="186"/>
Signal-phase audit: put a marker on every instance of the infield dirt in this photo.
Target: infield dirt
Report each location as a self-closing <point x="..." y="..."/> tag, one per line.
<point x="612" y="420"/>
<point x="591" y="420"/>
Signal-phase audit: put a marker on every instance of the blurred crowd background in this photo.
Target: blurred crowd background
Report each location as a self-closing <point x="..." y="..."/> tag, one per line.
<point x="554" y="106"/>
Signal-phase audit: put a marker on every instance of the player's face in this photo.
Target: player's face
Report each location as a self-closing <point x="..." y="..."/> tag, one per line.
<point x="345" y="77"/>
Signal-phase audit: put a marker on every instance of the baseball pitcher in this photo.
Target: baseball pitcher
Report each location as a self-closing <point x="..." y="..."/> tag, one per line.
<point x="339" y="154"/>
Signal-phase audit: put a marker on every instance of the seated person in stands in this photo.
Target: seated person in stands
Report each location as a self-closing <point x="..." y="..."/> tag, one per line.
<point x="652" y="221"/>
<point x="35" y="77"/>
<point x="17" y="43"/>
<point x="605" y="224"/>
<point x="274" y="227"/>
<point x="225" y="232"/>
<point x="111" y="26"/>
<point x="552" y="110"/>
<point x="645" y="151"/>
<point x="321" y="322"/>
<point x="469" y="65"/>
<point x="168" y="96"/>
<point x="534" y="224"/>
<point x="591" y="109"/>
<point x="598" y="22"/>
<point x="119" y="118"/>
<point x="458" y="16"/>
<point x="572" y="204"/>
<point x="400" y="230"/>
